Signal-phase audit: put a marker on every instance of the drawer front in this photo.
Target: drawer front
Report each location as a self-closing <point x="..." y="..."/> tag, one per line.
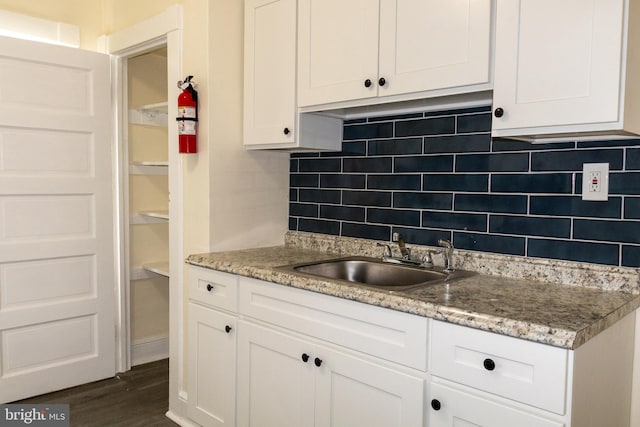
<point x="460" y="408"/>
<point x="213" y="288"/>
<point x="528" y="372"/>
<point x="387" y="334"/>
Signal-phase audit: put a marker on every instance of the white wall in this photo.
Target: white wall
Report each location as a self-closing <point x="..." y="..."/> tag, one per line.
<point x="249" y="190"/>
<point x="233" y="198"/>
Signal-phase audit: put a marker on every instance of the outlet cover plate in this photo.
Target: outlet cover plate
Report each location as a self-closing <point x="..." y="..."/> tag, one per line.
<point x="595" y="181"/>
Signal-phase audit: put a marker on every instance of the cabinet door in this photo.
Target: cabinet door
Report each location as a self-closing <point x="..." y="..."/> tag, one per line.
<point x="558" y="62"/>
<point x="354" y="392"/>
<point x="212" y="366"/>
<point x="450" y="407"/>
<point x="270" y="71"/>
<point x="434" y="44"/>
<point x="275" y="384"/>
<point x="337" y="51"/>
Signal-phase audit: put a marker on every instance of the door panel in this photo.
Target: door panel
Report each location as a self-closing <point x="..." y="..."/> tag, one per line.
<point x="56" y="214"/>
<point x="65" y="340"/>
<point x="66" y="278"/>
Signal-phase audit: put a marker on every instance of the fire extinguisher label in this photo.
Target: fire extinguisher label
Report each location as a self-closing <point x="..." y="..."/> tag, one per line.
<point x="186" y="112"/>
<point x="186" y="127"/>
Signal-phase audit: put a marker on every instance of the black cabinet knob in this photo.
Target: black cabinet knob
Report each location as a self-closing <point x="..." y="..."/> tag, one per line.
<point x="286" y="131"/>
<point x="367" y="83"/>
<point x="489" y="364"/>
<point x="305" y="357"/>
<point x="317" y="362"/>
<point x="498" y="112"/>
<point x="382" y="81"/>
<point x="227" y="329"/>
<point x="209" y="287"/>
<point x="435" y="404"/>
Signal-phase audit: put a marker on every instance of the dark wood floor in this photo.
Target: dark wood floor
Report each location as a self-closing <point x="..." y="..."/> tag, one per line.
<point x="138" y="398"/>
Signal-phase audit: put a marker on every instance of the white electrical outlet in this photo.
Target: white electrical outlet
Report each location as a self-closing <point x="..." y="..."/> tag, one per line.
<point x="595" y="181"/>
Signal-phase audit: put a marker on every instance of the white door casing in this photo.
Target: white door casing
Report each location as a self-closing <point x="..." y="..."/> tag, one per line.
<point x="57" y="273"/>
<point x="159" y="30"/>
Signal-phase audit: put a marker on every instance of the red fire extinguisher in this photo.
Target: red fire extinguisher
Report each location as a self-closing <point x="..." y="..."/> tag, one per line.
<point x="187" y="117"/>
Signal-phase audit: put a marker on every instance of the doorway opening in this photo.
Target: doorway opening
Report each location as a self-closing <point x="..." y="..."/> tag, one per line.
<point x="147" y="234"/>
<point x="151" y="45"/>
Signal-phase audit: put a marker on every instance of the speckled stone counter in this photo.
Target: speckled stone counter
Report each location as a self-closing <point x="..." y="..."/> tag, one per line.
<point x="550" y="313"/>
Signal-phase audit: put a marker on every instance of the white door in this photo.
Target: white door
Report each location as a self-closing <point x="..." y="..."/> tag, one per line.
<point x="337" y="50"/>
<point x="547" y="75"/>
<point x="353" y="392"/>
<point x="56" y="219"/>
<point x="212" y="367"/>
<point x="434" y="44"/>
<point x="270" y="72"/>
<point x="275" y="378"/>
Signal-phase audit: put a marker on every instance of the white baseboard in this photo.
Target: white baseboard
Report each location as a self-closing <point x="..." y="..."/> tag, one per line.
<point x="149" y="349"/>
<point x="184" y="422"/>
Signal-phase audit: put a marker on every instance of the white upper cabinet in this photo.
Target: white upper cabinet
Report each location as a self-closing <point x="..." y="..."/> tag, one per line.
<point x="561" y="67"/>
<point x="271" y="117"/>
<point x="338" y="50"/>
<point x="427" y="45"/>
<point x="270" y="71"/>
<point x="362" y="49"/>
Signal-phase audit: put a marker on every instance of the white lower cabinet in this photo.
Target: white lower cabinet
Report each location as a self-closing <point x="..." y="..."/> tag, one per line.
<point x="275" y="386"/>
<point x="211" y="341"/>
<point x="267" y="355"/>
<point x="212" y="366"/>
<point x="286" y="380"/>
<point x="484" y="379"/>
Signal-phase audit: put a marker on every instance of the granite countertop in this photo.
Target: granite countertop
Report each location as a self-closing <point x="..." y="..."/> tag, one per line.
<point x="549" y="313"/>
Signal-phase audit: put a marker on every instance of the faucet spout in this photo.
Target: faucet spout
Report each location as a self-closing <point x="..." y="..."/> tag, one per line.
<point x="404" y="251"/>
<point x="447" y="253"/>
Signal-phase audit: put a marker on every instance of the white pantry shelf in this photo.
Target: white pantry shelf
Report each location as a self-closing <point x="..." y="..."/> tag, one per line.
<point x="150" y="115"/>
<point x="149" y="168"/>
<point x="161" y="268"/>
<point x="149" y="217"/>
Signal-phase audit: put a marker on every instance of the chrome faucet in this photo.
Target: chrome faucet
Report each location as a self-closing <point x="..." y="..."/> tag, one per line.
<point x="447" y="253"/>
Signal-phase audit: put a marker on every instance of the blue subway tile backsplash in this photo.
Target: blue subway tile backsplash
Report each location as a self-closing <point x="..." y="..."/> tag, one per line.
<point x="632" y="208"/>
<point x="503" y="162"/>
<point x="532" y="183"/>
<point x="440" y="175"/>
<point x="572" y="160"/>
<point x="633" y="158"/>
<point x="426" y="126"/>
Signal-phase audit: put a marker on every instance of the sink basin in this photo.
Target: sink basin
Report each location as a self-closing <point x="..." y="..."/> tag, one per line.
<point x="374" y="272"/>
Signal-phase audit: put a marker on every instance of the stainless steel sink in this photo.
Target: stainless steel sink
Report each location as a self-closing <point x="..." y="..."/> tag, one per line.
<point x="373" y="272"/>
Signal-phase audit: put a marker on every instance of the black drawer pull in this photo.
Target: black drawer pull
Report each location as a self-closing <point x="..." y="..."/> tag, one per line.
<point x="209" y="287"/>
<point x="489" y="364"/>
<point x="435" y="404"/>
